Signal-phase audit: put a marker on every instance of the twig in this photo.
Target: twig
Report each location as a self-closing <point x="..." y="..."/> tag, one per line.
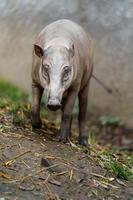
<point x="48" y="188"/>
<point x="100" y="176"/>
<point x="73" y="145"/>
<point x="71" y="174"/>
<point x="65" y="160"/>
<point x="53" y="196"/>
<point x="26" y="164"/>
<point x="15" y="158"/>
<point x="52" y="166"/>
<point x="46" y="179"/>
<point x="61" y="173"/>
<point x="6" y="176"/>
<point x="5" y="147"/>
<point x="38" y="172"/>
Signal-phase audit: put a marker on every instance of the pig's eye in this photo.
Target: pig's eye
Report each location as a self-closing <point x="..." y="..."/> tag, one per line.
<point x="66" y="73"/>
<point x="45" y="72"/>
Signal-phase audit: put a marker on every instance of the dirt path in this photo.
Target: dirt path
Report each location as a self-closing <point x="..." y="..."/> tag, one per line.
<point x="34" y="166"/>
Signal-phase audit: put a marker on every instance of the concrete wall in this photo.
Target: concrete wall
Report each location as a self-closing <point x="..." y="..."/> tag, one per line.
<point x="110" y="23"/>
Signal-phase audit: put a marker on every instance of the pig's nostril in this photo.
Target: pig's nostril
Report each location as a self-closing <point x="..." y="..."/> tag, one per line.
<point x="54" y="107"/>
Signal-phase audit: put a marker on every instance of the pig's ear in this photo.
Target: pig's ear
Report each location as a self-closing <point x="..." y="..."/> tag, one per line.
<point x="38" y="51"/>
<point x="72" y="50"/>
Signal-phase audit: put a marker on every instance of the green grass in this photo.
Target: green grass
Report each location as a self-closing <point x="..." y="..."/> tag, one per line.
<point x="91" y="137"/>
<point x="15" y="101"/>
<point x="18" y="103"/>
<point x="8" y="90"/>
<point x="119" y="169"/>
<point x="114" y="165"/>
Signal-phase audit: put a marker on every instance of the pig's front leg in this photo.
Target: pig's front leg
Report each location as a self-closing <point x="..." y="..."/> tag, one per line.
<point x="67" y="116"/>
<point x="83" y="101"/>
<point x="37" y="92"/>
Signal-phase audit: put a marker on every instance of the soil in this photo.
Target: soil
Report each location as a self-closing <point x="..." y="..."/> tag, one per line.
<point x="34" y="165"/>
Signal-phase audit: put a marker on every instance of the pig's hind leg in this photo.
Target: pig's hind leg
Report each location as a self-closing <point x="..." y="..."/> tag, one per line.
<point x="37" y="92"/>
<point x="83" y="101"/>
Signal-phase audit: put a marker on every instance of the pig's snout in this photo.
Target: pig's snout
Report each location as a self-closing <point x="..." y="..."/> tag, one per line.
<point x="54" y="104"/>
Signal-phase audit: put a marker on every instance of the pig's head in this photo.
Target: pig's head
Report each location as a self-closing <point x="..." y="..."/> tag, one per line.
<point x="56" y="71"/>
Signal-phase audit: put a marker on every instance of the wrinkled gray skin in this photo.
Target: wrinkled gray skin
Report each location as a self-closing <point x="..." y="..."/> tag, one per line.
<point x="62" y="64"/>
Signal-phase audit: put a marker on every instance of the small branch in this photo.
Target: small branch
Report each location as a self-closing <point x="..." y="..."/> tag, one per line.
<point x="15" y="158"/>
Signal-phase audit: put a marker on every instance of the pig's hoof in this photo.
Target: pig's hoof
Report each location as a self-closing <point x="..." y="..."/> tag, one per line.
<point x="83" y="140"/>
<point x="37" y="125"/>
<point x="64" y="135"/>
